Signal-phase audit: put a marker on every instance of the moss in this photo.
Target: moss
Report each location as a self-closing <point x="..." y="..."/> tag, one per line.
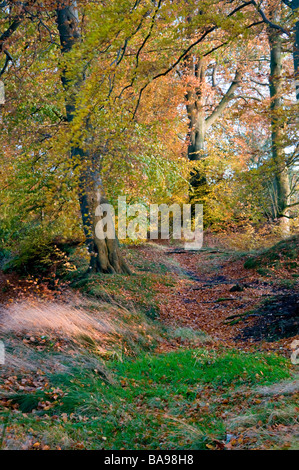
<point x="278" y="254"/>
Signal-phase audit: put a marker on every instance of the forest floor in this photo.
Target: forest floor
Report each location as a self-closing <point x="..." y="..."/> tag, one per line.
<point x="229" y="302"/>
<point x="192" y="352"/>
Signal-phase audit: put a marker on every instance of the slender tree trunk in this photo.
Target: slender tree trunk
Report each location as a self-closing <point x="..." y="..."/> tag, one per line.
<point x="104" y="253"/>
<point x="278" y="155"/>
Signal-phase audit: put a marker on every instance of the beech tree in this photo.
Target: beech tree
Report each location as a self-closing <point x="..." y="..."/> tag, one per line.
<point x="199" y="121"/>
<point x="100" y="99"/>
<point x="276" y="92"/>
<point x="105" y="254"/>
<point x="294" y="5"/>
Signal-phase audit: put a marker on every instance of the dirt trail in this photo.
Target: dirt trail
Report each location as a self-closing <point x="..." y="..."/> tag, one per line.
<point x="213" y="293"/>
<point x="216" y="297"/>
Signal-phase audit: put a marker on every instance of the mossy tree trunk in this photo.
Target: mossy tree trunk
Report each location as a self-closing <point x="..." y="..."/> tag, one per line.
<point x="276" y="91"/>
<point x="104" y="252"/>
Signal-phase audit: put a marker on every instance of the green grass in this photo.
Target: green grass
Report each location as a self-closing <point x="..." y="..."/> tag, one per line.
<point x="287" y="283"/>
<point x="166" y="401"/>
<point x="285" y="252"/>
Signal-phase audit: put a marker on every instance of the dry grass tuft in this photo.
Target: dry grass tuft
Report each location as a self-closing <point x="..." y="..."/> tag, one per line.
<point x="66" y="320"/>
<point x="57" y="333"/>
<point x="282" y="388"/>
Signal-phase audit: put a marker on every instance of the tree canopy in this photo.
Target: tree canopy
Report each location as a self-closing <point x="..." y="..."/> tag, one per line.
<point x="160" y="101"/>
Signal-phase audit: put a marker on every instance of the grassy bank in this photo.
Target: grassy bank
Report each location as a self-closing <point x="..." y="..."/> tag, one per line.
<point x="189" y="399"/>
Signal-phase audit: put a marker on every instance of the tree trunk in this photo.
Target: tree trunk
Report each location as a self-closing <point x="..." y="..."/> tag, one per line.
<point x="294" y="5"/>
<point x="195" y="111"/>
<point x="278" y="155"/>
<point x="199" y="123"/>
<point x="104" y="253"/>
<point x="295" y="8"/>
<point x="196" y="129"/>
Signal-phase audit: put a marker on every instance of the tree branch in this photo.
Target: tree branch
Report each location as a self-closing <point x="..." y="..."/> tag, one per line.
<point x="292" y="205"/>
<point x="186" y="52"/>
<point x="8" y="33"/>
<point x="13" y="27"/>
<point x="225" y="100"/>
<point x="7" y="60"/>
<point x="267" y="21"/>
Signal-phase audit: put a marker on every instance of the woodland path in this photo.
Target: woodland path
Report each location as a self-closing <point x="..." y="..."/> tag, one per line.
<point x="213" y="293"/>
<point x="221" y="298"/>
